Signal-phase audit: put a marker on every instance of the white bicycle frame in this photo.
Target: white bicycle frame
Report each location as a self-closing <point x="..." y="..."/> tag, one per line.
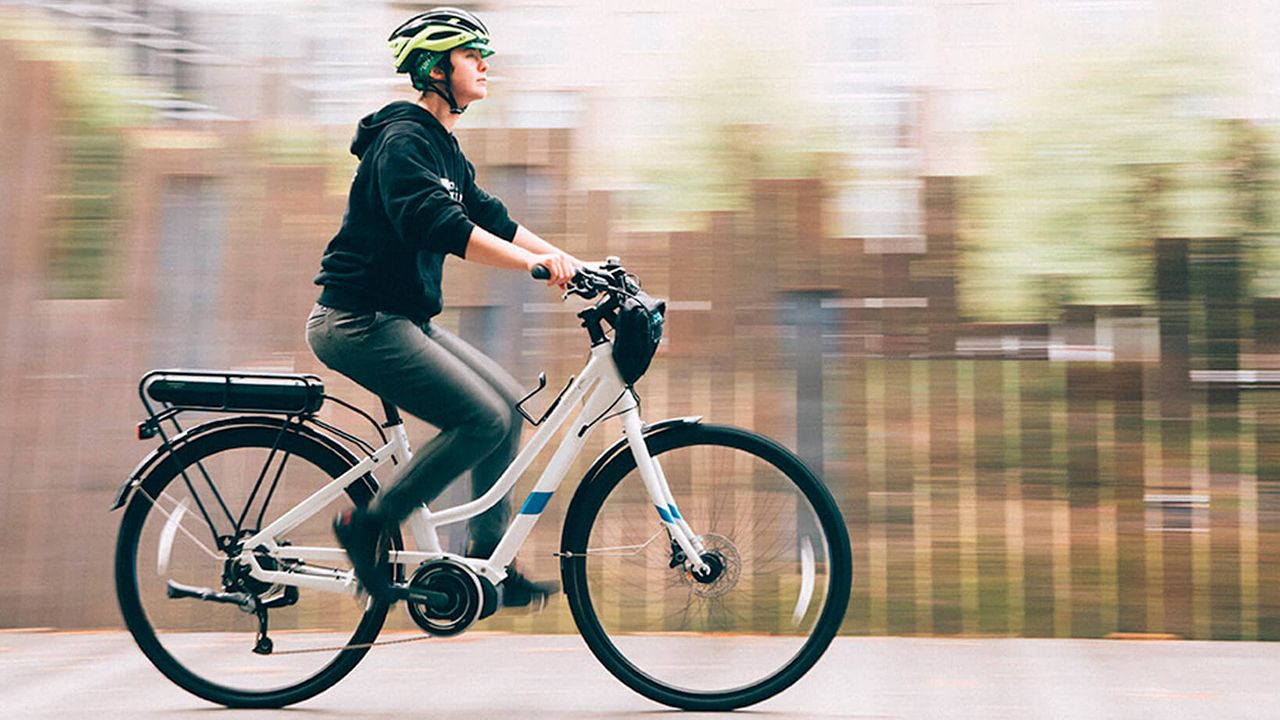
<point x="600" y="385"/>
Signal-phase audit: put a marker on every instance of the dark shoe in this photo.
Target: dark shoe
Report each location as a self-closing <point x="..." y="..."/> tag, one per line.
<point x="519" y="591"/>
<point x="362" y="536"/>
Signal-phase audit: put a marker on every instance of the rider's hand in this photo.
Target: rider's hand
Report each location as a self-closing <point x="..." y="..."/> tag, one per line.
<point x="561" y="266"/>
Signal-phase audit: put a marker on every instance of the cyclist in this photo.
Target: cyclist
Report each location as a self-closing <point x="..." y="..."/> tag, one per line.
<point x="414" y="200"/>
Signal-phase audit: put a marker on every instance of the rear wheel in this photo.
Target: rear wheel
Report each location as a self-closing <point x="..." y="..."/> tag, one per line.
<point x="771" y="602"/>
<point x="182" y="529"/>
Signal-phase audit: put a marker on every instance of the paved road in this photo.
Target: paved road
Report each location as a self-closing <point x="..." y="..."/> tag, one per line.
<point x="102" y="675"/>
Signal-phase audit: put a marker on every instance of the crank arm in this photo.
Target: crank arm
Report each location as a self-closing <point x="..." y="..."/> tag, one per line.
<point x="412" y="594"/>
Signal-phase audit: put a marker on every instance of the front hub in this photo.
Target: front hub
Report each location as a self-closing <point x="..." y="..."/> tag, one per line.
<point x="715" y="568"/>
<point x="724" y="567"/>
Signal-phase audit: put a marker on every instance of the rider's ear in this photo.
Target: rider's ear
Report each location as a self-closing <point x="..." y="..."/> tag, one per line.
<point x="438" y="72"/>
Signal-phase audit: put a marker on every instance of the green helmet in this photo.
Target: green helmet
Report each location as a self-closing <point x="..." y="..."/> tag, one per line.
<point x="423" y="40"/>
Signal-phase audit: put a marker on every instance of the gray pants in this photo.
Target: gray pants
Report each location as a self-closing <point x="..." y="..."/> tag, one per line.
<point x="436" y="376"/>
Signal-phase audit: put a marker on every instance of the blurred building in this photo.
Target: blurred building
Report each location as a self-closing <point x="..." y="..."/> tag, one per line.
<point x="979" y="465"/>
<point x="317" y="60"/>
<point x="912" y="83"/>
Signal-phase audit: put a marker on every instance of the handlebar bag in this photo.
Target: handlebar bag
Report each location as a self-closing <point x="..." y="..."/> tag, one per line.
<point x="637" y="332"/>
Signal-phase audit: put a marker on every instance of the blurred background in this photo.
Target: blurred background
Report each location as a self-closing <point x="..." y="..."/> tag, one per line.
<point x="1004" y="271"/>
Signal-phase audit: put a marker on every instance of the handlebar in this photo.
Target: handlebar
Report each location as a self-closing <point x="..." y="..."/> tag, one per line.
<point x="610" y="280"/>
<point x="588" y="282"/>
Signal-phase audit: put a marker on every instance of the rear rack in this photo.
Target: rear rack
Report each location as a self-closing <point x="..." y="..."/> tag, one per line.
<point x="296" y="396"/>
<point x="179" y="390"/>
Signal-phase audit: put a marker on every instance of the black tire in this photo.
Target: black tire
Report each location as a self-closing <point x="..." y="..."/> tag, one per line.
<point x="725" y="643"/>
<point x="183" y="638"/>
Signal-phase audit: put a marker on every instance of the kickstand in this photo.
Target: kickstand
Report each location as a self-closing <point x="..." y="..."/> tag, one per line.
<point x="290" y="597"/>
<point x="264" y="645"/>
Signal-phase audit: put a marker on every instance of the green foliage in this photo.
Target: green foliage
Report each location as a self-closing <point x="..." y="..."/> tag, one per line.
<point x="93" y="110"/>
<point x="293" y="145"/>
<point x="1255" y="168"/>
<point x="1129" y="148"/>
<point x="87" y="222"/>
<point x="733" y="122"/>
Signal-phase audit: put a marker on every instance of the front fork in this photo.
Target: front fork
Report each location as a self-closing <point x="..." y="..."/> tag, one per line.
<point x="655" y="482"/>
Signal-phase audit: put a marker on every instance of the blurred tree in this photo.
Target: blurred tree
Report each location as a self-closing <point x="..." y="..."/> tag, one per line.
<point x="93" y="93"/>
<point x="744" y="113"/>
<point x="1130" y="147"/>
<point x="94" y="96"/>
<point x="1254" y="169"/>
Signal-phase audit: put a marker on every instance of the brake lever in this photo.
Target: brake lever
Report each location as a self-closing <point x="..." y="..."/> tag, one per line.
<point x="587" y="294"/>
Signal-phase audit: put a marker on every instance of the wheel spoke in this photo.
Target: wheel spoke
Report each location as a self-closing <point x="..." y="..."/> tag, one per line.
<point x="777" y="581"/>
<point x="203" y="618"/>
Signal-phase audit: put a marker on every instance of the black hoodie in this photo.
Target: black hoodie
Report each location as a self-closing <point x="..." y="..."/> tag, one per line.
<point x="413" y="199"/>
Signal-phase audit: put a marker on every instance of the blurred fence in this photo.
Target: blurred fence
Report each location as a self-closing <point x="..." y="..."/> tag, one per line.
<point x="1113" y="471"/>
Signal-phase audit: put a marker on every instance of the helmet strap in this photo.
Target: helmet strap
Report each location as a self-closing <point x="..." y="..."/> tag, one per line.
<point x="444" y="88"/>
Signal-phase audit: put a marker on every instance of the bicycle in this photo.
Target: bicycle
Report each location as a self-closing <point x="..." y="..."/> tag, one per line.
<point x="717" y="601"/>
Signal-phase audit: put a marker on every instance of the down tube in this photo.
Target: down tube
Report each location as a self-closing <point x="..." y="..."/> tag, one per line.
<point x="531" y="449"/>
<point x="602" y="398"/>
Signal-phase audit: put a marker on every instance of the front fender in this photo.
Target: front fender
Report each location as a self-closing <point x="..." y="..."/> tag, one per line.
<point x="177" y="441"/>
<point x="654" y="430"/>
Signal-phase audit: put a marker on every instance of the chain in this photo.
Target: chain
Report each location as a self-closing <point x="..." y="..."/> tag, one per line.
<point x="354" y="646"/>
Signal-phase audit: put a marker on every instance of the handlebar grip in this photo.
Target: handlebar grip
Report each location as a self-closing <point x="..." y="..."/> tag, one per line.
<point x="540" y="272"/>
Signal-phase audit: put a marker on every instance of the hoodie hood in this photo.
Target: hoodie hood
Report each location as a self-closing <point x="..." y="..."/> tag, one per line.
<point x="372" y="125"/>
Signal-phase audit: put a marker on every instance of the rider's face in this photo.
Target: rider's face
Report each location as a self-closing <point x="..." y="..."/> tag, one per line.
<point x="469" y="75"/>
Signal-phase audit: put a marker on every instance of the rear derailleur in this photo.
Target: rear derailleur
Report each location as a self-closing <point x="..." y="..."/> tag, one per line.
<point x="246" y="592"/>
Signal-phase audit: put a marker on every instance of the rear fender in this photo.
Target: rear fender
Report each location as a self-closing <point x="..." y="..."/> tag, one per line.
<point x="177" y="441"/>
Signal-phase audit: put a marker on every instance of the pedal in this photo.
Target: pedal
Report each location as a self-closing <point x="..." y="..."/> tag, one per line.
<point x="537" y="604"/>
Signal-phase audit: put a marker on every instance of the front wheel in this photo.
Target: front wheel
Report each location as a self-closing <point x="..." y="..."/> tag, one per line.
<point x="779" y="580"/>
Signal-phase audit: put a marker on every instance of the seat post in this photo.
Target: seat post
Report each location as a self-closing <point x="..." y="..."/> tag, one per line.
<point x="392" y="412"/>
